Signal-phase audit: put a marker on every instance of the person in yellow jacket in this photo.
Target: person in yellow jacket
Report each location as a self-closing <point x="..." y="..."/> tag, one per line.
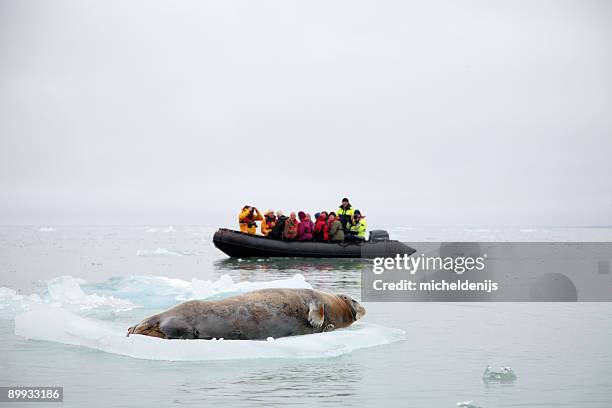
<point x="357" y="227"/>
<point x="268" y="223"/>
<point x="247" y="218"/>
<point x="345" y="213"/>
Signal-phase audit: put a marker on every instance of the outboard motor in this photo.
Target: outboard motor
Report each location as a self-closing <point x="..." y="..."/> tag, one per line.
<point x="378" y="236"/>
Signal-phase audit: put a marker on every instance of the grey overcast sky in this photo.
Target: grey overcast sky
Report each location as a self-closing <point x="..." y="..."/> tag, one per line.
<point x="451" y="113"/>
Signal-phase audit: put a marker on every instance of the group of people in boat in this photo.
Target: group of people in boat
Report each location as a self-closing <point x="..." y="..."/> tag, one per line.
<point x="345" y="224"/>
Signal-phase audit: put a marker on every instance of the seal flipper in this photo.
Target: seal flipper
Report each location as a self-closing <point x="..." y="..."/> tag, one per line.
<point x="175" y="328"/>
<point x="316" y="314"/>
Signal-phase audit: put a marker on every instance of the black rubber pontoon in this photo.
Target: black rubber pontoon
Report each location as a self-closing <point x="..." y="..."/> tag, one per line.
<point x="240" y="245"/>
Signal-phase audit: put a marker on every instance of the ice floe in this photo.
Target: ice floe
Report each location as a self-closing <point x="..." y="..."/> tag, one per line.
<point x="62" y="326"/>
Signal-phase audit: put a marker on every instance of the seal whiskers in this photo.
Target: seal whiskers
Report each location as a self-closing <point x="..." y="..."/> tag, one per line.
<point x="148" y="327"/>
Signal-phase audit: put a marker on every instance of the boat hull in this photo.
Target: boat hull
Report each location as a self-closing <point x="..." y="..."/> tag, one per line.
<point x="240" y="245"/>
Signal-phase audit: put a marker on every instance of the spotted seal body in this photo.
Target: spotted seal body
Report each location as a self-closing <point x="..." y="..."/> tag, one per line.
<point x="255" y="315"/>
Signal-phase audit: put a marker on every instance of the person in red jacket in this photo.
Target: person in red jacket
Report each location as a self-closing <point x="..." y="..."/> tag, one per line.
<point x="321" y="228"/>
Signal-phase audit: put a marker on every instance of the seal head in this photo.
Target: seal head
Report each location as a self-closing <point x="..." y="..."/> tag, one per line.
<point x="356" y="308"/>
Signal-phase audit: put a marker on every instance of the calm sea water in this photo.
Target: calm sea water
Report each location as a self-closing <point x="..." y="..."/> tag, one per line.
<point x="103" y="279"/>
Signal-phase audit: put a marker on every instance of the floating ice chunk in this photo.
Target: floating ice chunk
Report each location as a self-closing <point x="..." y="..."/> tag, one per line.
<point x="225" y="286"/>
<point x="64" y="291"/>
<point x="157" y="251"/>
<point x="46" y="229"/>
<point x="505" y="374"/>
<point x="467" y="404"/>
<point x="65" y="288"/>
<point x="162" y="252"/>
<point x="297" y="281"/>
<point x="206" y="288"/>
<point x="62" y="326"/>
<point x="12" y="302"/>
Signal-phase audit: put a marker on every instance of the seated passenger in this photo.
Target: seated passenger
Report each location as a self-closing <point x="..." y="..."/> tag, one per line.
<point x="320" y="228"/>
<point x="291" y="227"/>
<point x="335" y="229"/>
<point x="277" y="230"/>
<point x="268" y="223"/>
<point x="305" y="228"/>
<point x="247" y="218"/>
<point x="357" y="228"/>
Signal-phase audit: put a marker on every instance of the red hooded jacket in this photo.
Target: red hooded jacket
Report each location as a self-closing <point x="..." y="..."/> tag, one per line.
<point x="321" y="229"/>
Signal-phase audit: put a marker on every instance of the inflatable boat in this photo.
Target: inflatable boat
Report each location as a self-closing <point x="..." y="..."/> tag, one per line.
<point x="241" y="245"/>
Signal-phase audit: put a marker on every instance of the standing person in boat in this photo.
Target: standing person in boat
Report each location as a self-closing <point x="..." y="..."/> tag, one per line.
<point x="247" y="218"/>
<point x="345" y="213"/>
<point x="321" y="228"/>
<point x="291" y="227"/>
<point x="305" y="228"/>
<point x="268" y="223"/>
<point x="335" y="229"/>
<point x="277" y="230"/>
<point x="357" y="228"/>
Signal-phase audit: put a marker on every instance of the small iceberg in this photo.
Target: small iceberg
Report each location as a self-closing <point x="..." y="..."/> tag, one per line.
<point x="467" y="404"/>
<point x="64" y="292"/>
<point x="505" y="374"/>
<point x="93" y="315"/>
<point x="62" y="326"/>
<point x="162" y="252"/>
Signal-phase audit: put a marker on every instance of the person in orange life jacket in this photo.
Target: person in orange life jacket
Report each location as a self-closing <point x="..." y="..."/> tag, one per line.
<point x="291" y="227"/>
<point x="268" y="223"/>
<point x="345" y="212"/>
<point x="277" y="231"/>
<point x="321" y="228"/>
<point x="247" y="218"/>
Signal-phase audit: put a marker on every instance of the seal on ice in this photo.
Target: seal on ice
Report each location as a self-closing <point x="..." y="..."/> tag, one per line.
<point x="254" y="316"/>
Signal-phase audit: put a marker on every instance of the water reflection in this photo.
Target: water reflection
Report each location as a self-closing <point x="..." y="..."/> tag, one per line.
<point x="333" y="275"/>
<point x="302" y="264"/>
<point x="271" y="383"/>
